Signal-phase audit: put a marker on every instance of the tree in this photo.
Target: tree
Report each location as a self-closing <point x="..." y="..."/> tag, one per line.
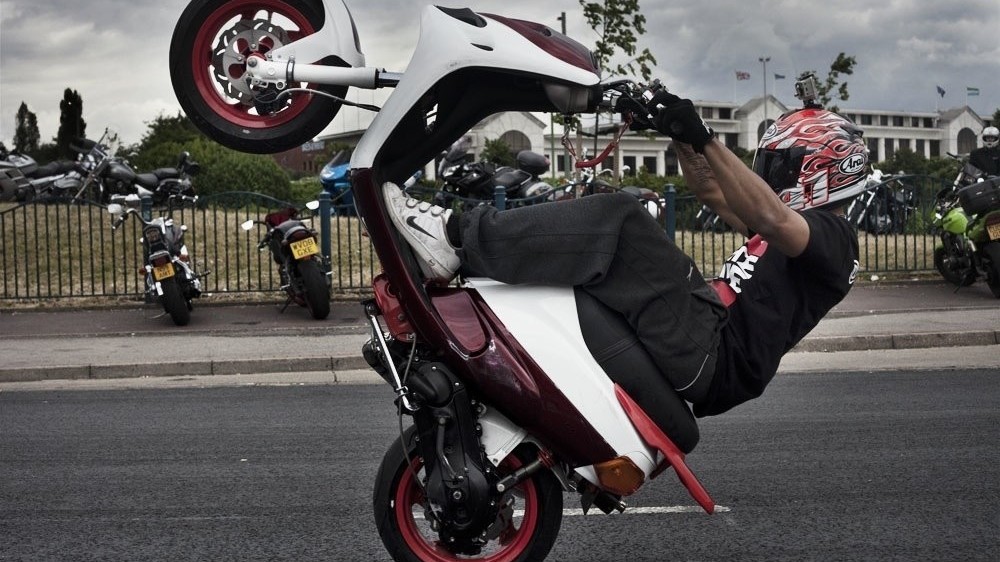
<point x="618" y="23"/>
<point x="996" y="118"/>
<point x="26" y="135"/>
<point x="497" y="152"/>
<point x="71" y="123"/>
<point x="832" y="88"/>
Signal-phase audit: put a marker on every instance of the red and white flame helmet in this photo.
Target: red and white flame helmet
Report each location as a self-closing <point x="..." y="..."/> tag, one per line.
<point x="813" y="158"/>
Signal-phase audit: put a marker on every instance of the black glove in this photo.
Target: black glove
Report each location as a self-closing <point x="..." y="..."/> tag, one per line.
<point x="678" y="119"/>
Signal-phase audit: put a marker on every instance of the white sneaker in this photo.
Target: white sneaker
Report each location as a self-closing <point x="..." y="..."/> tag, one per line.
<point x="423" y="226"/>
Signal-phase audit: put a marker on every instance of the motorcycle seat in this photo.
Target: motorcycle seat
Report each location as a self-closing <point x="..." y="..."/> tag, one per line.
<point x="52" y="169"/>
<point x="148" y="180"/>
<point x="510" y="178"/>
<point x="618" y="351"/>
<point x="166" y="173"/>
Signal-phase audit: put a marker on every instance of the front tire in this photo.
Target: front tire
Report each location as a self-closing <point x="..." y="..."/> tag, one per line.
<point x="957" y="277"/>
<point x="317" y="292"/>
<point x="174" y="303"/>
<point x="399" y="505"/>
<point x="208" y="50"/>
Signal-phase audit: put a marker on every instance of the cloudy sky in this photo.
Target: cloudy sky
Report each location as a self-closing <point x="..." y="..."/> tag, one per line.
<point x="114" y="52"/>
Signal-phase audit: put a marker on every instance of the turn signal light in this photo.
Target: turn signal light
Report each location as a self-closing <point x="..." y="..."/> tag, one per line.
<point x="620" y="476"/>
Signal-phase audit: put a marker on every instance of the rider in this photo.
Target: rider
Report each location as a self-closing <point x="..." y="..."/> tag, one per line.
<point x="987" y="157"/>
<point x="718" y="344"/>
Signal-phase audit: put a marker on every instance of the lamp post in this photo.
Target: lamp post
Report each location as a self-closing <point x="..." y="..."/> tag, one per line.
<point x="763" y="61"/>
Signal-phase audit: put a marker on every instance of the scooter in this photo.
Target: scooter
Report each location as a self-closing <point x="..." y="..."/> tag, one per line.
<point x="295" y="248"/>
<point x="170" y="278"/>
<point x="510" y="406"/>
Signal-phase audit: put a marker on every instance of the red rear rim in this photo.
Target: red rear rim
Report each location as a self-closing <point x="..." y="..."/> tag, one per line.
<point x="512" y="542"/>
<point x="204" y="73"/>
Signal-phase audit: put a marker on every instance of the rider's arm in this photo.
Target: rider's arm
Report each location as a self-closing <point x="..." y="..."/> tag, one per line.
<point x="753" y="201"/>
<point x="702" y="182"/>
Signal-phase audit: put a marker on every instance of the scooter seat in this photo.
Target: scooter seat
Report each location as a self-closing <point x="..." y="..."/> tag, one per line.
<point x="618" y="351"/>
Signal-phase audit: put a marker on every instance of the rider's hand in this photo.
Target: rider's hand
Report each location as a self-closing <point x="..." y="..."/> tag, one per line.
<point x="678" y="119"/>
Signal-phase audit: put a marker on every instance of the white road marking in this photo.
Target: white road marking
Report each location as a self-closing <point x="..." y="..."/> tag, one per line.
<point x="638" y="510"/>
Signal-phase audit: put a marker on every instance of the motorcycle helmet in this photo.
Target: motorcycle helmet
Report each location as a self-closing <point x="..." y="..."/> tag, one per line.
<point x="991" y="137"/>
<point x="813" y="159"/>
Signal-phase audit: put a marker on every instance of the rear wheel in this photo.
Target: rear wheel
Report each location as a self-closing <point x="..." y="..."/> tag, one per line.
<point x="526" y="528"/>
<point x="173" y="301"/>
<point x="992" y="252"/>
<point x="208" y="52"/>
<point x="317" y="292"/>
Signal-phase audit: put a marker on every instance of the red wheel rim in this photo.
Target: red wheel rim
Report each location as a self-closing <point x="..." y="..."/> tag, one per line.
<point x="201" y="58"/>
<point x="514" y="541"/>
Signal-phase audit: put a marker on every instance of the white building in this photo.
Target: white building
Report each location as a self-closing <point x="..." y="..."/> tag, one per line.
<point x="932" y="134"/>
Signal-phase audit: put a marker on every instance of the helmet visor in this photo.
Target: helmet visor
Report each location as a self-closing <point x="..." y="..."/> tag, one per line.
<point x="990" y="138"/>
<point x="779" y="168"/>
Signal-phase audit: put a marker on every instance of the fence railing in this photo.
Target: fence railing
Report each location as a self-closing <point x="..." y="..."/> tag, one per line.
<point x="59" y="250"/>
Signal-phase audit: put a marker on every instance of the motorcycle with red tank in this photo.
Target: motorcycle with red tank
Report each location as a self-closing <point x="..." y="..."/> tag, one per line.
<point x="294" y="246"/>
<point x="513" y="397"/>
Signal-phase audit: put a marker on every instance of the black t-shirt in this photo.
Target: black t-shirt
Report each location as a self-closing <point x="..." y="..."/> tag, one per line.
<point x="986" y="159"/>
<point x="778" y="300"/>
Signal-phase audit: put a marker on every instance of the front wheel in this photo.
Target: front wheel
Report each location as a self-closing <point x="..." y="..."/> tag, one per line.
<point x="173" y="302"/>
<point x="317" y="292"/>
<point x="992" y="253"/>
<point x="960" y="277"/>
<point x="208" y="52"/>
<point x="525" y="529"/>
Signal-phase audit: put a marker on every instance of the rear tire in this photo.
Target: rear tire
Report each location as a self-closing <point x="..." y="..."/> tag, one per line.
<point x="992" y="252"/>
<point x="174" y="303"/>
<point x="399" y="504"/>
<point x="316" y="290"/>
<point x="213" y="105"/>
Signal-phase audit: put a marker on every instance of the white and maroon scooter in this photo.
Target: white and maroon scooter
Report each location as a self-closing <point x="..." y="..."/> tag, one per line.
<point x="518" y="394"/>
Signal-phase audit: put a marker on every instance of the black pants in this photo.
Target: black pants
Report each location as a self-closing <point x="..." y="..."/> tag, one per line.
<point x="612" y="248"/>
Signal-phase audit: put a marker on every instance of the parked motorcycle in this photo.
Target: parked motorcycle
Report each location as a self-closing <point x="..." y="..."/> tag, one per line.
<point x="510" y="405"/>
<point x="23" y="179"/>
<point x="170" y="277"/>
<point x="474" y="182"/>
<point x="294" y="247"/>
<point x="118" y="177"/>
<point x="967" y="221"/>
<point x="885" y="206"/>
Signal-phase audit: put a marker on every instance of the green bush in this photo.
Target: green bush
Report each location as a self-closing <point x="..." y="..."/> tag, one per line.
<point x="305" y="189"/>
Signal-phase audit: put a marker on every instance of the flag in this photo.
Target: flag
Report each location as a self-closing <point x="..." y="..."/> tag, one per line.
<point x="970" y="91"/>
<point x="940" y="91"/>
<point x="779" y="76"/>
<point x="741" y="75"/>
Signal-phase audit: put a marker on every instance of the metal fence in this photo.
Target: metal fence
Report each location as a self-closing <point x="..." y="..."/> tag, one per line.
<point x="59" y="250"/>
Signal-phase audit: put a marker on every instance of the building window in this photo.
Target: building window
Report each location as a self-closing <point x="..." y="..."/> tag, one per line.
<point x="629" y="162"/>
<point x="904" y="143"/>
<point x="873" y="150"/>
<point x="966" y="141"/>
<point x="670" y="159"/>
<point x="883" y="120"/>
<point x="649" y="162"/>
<point x="920" y="147"/>
<point x="889" y="149"/>
<point x="935" y="149"/>
<point x="516" y="141"/>
<point x="706" y="113"/>
<point x="561" y="163"/>
<point x="725" y="113"/>
<point x="866" y="119"/>
<point x="915" y="122"/>
<point x="897" y="120"/>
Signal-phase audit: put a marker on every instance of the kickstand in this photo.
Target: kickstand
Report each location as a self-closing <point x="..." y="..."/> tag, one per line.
<point x="288" y="302"/>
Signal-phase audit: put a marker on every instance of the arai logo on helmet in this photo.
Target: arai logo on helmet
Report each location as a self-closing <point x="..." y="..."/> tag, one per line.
<point x="853" y="164"/>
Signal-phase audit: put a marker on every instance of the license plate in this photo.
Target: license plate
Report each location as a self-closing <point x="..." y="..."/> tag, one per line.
<point x="163" y="271"/>
<point x="993" y="231"/>
<point x="303" y="248"/>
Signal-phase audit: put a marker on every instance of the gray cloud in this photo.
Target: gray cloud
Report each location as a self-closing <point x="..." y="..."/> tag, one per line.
<point x="114" y="52"/>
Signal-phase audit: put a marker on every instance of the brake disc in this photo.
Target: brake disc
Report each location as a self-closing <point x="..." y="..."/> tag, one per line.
<point x="235" y="45"/>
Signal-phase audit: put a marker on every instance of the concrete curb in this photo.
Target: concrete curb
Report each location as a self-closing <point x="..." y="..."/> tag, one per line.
<point x="899" y="341"/>
<point x="185" y="369"/>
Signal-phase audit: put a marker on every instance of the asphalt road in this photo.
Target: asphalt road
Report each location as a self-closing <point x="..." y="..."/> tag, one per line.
<point x="893" y="466"/>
